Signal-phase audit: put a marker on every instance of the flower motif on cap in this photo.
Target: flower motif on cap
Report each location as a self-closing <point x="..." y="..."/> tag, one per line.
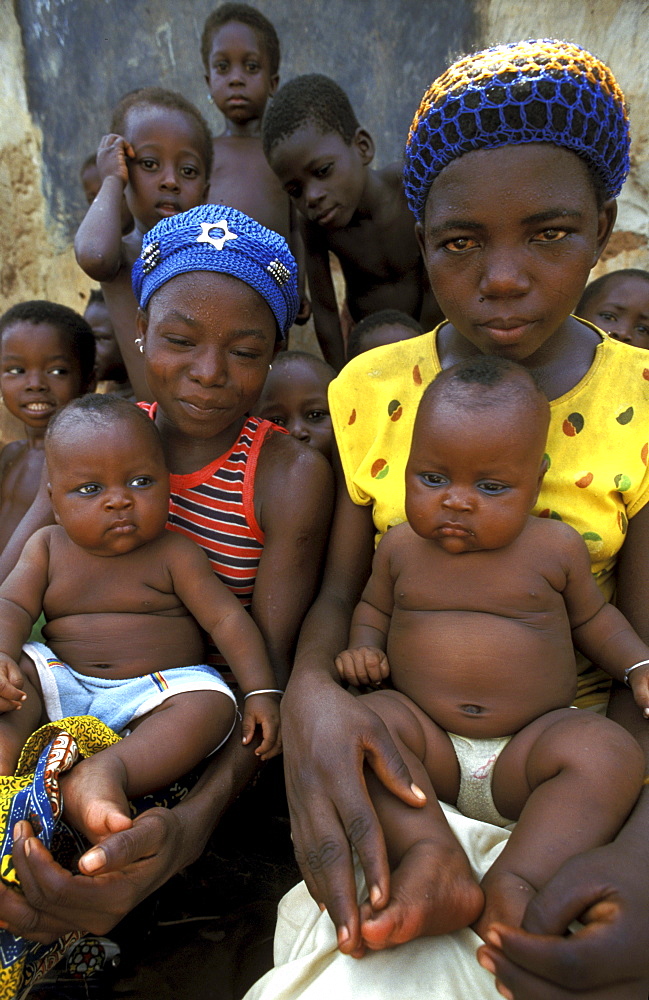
<point x="150" y="256"/>
<point x="278" y="271"/>
<point x="218" y="242"/>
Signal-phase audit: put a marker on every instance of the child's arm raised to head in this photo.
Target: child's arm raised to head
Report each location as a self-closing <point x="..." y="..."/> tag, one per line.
<point x="323" y="296"/>
<point x="599" y="630"/>
<point x="98" y="243"/>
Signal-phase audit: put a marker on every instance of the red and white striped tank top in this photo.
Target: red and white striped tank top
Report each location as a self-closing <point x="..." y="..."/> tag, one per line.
<point x="214" y="506"/>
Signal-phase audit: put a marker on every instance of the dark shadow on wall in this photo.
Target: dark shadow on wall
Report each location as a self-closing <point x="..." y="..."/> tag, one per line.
<point x="82" y="55"/>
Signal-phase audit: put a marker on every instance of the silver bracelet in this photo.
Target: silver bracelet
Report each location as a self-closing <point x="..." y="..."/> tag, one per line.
<point x="640" y="663"/>
<point x="280" y="692"/>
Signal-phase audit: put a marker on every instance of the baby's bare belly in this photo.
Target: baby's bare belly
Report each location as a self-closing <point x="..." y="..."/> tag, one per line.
<point x="125" y="645"/>
<point x="481" y="675"/>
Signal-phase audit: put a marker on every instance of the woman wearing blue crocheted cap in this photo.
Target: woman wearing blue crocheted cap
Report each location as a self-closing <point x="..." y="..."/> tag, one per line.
<point x="217" y="293"/>
<point x="512" y="166"/>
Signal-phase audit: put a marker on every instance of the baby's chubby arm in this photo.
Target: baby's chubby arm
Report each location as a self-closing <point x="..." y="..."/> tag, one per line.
<point x="98" y="243"/>
<point x="232" y="629"/>
<point x="21" y="601"/>
<point x="365" y="662"/>
<point x="599" y="630"/>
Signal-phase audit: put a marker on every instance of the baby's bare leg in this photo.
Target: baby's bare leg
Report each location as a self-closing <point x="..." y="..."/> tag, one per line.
<point x="162" y="746"/>
<point x="573" y="776"/>
<point x="432" y="887"/>
<point x="16" y="726"/>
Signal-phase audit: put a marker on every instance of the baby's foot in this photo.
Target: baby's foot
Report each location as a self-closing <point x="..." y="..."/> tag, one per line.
<point x="506" y="899"/>
<point x="94" y="801"/>
<point x="430" y="894"/>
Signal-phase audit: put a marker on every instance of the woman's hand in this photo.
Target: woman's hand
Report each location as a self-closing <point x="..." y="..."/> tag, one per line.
<point x="608" y="959"/>
<point x="329" y="737"/>
<point x="125" y="868"/>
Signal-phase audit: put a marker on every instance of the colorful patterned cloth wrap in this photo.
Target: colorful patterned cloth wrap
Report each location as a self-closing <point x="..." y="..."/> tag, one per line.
<point x="33" y="793"/>
<point x="540" y="90"/>
<point x="220" y="239"/>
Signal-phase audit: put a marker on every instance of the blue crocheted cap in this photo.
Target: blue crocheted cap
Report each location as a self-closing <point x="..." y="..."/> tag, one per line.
<point x="216" y="238"/>
<point x="540" y="90"/>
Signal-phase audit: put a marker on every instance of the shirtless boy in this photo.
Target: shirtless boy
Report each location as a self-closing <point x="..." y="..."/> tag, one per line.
<point x="122" y="598"/>
<point x="322" y="157"/>
<point x="159" y="156"/>
<point x="240" y="51"/>
<point x="476" y="605"/>
<point x="47" y="357"/>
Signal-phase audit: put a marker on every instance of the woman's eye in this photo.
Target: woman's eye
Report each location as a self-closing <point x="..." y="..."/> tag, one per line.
<point x="551" y="235"/>
<point x="88" y="489"/>
<point x="460" y="244"/>
<point x="492" y="488"/>
<point x="139" y="482"/>
<point x="178" y="341"/>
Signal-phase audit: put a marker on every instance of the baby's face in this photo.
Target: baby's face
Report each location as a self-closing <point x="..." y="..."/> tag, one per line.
<point x="167" y="175"/>
<point x="322" y="174"/>
<point x="622" y="309"/>
<point x="109" y="486"/>
<point x="38" y="372"/>
<point x="295" y="397"/>
<point x="473" y="476"/>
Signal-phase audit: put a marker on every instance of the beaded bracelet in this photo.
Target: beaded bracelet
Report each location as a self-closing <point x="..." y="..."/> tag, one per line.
<point x="640" y="663"/>
<point x="279" y="691"/>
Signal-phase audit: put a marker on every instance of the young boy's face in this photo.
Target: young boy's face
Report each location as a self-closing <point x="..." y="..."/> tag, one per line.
<point x="473" y="475"/>
<point x="295" y="397"/>
<point x="39" y="372"/>
<point x="509" y="237"/>
<point x="621" y="308"/>
<point x="239" y="77"/>
<point x="109" y="363"/>
<point x="108" y="486"/>
<point x="322" y="174"/>
<point x="167" y="175"/>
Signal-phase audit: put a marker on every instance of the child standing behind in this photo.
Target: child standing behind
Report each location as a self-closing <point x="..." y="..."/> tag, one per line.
<point x="47" y="358"/>
<point x="159" y="155"/>
<point x="109" y="363"/>
<point x="295" y="397"/>
<point x="618" y="303"/>
<point x="322" y="157"/>
<point x="240" y="51"/>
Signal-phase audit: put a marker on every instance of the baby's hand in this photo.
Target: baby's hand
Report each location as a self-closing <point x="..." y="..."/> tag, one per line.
<point x="112" y="157"/>
<point x="363" y="666"/>
<point x="11" y="683"/>
<point x="263" y="710"/>
<point x="639" y="681"/>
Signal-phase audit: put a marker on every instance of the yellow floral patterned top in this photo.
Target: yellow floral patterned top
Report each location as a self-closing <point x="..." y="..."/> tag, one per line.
<point x="597" y="445"/>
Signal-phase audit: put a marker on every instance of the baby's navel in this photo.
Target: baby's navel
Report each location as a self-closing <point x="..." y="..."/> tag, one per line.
<point x="472" y="709"/>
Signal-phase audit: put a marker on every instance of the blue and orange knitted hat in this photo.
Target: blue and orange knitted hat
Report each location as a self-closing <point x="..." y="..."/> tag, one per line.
<point x="539" y="90"/>
<point x="221" y="239"/>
